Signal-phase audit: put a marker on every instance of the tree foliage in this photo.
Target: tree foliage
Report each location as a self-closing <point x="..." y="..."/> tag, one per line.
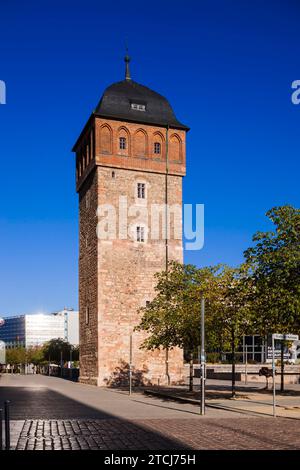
<point x="16" y="356"/>
<point x="259" y="297"/>
<point x="173" y="317"/>
<point x="58" y="349"/>
<point x="275" y="261"/>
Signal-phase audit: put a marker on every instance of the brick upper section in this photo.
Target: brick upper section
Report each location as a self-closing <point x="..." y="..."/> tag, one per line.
<point x="99" y="146"/>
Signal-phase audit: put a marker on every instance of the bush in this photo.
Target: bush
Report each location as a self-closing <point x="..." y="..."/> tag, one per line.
<point x="213" y="357"/>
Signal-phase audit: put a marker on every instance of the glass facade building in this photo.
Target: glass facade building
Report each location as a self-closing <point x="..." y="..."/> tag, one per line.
<point x="12" y="332"/>
<point x="35" y="330"/>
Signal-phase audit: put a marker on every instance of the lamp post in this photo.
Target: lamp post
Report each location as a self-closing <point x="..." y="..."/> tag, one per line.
<point x="273" y="373"/>
<point x="130" y="365"/>
<point x="70" y="361"/>
<point x="246" y="363"/>
<point x="202" y="358"/>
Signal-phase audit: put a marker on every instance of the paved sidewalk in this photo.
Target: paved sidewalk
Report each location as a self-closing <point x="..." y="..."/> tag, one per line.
<point x="52" y="413"/>
<point x="43" y="397"/>
<point x="251" y="400"/>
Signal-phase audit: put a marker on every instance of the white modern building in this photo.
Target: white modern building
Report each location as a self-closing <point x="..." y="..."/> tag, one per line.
<point x="37" y="329"/>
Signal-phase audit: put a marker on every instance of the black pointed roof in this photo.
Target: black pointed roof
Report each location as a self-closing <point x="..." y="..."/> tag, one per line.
<point x="117" y="100"/>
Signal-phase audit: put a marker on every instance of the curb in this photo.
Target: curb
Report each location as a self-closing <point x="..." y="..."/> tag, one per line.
<point x="172" y="397"/>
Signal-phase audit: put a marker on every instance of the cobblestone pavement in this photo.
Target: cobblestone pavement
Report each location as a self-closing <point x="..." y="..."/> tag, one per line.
<point x="171" y="434"/>
<point x="111" y="434"/>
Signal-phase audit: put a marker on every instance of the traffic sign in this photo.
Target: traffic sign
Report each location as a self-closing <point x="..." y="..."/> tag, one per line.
<point x="285" y="337"/>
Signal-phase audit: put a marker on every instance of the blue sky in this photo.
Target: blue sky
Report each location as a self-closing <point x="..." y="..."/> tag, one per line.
<point x="226" y="66"/>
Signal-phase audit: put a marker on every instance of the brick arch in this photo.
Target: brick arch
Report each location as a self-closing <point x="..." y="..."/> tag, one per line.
<point x="140" y="143"/>
<point x="175" y="151"/>
<point x="106" y="139"/>
<point x="158" y="137"/>
<point x="124" y="132"/>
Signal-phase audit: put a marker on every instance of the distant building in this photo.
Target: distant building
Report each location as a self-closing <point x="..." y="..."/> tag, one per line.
<point x="71" y="325"/>
<point x="37" y="329"/>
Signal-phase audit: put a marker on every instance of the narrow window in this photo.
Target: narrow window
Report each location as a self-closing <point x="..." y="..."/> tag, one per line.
<point x="140" y="234"/>
<point x="157" y="147"/>
<point x="113" y="174"/>
<point x="87" y="200"/>
<point x="87" y="315"/>
<point x="141" y="190"/>
<point x="83" y="159"/>
<point x="87" y="154"/>
<point x="122" y="142"/>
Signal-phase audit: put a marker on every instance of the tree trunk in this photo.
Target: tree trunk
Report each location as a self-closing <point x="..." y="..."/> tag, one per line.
<point x="282" y="368"/>
<point x="267" y="383"/>
<point x="233" y="364"/>
<point x="191" y="384"/>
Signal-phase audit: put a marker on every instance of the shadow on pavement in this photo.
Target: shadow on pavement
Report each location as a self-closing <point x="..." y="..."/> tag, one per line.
<point x="42" y="404"/>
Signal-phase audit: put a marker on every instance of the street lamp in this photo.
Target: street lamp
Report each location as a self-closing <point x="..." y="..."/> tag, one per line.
<point x="202" y="357"/>
<point x="71" y="361"/>
<point x="61" y="362"/>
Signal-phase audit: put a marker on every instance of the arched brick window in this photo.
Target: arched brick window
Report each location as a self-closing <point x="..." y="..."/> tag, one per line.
<point x="140" y="143"/>
<point x="175" y="148"/>
<point x="105" y="139"/>
<point x="123" y="141"/>
<point x="157" y="145"/>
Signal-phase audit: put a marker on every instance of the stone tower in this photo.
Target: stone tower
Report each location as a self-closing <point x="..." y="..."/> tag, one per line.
<point x="130" y="160"/>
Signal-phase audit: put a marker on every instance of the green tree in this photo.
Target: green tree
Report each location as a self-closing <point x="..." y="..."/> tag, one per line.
<point x="231" y="308"/>
<point x="173" y="317"/>
<point x="16" y="356"/>
<point x="35" y="355"/>
<point x="56" y="350"/>
<point x="75" y="353"/>
<point x="275" y="260"/>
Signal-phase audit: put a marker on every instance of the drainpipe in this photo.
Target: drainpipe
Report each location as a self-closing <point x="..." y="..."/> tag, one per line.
<point x="166" y="232"/>
<point x="166" y="197"/>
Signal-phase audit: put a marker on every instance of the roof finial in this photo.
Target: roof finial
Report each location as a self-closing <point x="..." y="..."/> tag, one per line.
<point x="127" y="60"/>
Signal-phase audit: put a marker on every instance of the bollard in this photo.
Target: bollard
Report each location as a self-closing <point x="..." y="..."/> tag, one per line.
<point x="7" y="425"/>
<point x="1" y="424"/>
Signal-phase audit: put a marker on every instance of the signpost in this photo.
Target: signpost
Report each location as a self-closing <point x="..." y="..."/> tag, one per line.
<point x="285" y="337"/>
<point x="281" y="337"/>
